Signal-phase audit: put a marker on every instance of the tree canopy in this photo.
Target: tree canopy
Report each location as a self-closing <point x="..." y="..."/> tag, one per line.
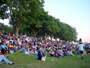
<point x="29" y="16"/>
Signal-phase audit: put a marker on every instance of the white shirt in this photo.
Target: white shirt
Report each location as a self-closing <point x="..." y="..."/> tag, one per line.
<point x="81" y="47"/>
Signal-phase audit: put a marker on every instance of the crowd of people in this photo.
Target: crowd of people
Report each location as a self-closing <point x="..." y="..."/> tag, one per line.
<point x="9" y="43"/>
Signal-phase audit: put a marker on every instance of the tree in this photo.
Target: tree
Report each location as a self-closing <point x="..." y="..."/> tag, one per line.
<point x="23" y="11"/>
<point x="68" y="33"/>
<point x="29" y="16"/>
<point x="5" y="28"/>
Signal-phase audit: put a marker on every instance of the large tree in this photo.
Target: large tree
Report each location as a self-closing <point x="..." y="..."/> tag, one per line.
<point x="23" y="11"/>
<point x="29" y="16"/>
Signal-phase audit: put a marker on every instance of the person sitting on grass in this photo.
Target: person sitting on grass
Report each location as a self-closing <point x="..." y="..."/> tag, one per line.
<point x="3" y="51"/>
<point x="43" y="52"/>
<point x="39" y="54"/>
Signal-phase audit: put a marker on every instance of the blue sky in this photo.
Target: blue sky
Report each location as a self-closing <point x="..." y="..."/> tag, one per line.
<point x="73" y="12"/>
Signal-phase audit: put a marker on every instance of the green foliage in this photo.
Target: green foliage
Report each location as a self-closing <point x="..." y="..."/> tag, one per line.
<point x="5" y="28"/>
<point x="68" y="33"/>
<point x="29" y="16"/>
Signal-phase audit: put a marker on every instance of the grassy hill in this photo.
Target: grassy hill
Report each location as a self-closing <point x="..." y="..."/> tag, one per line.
<point x="25" y="61"/>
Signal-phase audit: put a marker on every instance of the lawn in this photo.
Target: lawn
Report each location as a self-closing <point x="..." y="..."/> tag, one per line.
<point x="25" y="61"/>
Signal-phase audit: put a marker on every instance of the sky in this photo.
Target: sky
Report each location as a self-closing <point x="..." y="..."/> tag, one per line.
<point x="73" y="12"/>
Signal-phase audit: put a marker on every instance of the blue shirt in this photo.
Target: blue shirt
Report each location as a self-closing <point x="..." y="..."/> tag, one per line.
<point x="3" y="46"/>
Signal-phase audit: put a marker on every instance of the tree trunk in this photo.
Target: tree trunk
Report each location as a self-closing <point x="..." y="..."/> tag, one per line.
<point x="17" y="31"/>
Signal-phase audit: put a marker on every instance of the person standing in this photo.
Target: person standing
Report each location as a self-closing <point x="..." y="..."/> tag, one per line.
<point x="81" y="48"/>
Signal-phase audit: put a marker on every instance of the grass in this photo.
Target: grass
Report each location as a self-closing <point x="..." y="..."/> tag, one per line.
<point x="25" y="61"/>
